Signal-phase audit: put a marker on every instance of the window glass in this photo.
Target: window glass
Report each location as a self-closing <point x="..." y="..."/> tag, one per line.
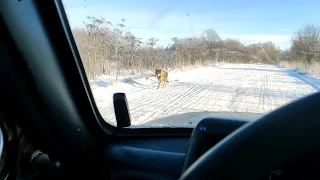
<point x="212" y="58"/>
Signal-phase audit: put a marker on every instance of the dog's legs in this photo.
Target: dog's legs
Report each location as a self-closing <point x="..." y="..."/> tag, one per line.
<point x="158" y="84"/>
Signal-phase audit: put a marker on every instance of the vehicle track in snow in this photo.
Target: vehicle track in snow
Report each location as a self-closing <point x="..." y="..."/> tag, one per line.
<point x="228" y="88"/>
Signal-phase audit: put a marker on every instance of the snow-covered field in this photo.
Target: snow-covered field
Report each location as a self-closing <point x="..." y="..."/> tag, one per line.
<point x="228" y="88"/>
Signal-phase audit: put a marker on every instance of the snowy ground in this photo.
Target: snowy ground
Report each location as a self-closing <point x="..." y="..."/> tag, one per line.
<point x="228" y="88"/>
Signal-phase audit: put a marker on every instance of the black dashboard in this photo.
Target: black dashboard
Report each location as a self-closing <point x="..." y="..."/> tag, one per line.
<point x="170" y="157"/>
<point x="211" y="131"/>
<point x="208" y="132"/>
<point x="174" y="155"/>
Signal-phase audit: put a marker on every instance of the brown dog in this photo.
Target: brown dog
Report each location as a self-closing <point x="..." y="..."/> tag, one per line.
<point x="162" y="76"/>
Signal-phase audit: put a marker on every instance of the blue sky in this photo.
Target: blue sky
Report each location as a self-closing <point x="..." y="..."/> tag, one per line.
<point x="250" y="21"/>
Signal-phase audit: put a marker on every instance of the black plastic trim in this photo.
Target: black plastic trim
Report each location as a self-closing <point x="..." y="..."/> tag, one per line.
<point x="154" y="132"/>
<point x="81" y="71"/>
<point x="37" y="82"/>
<point x="156" y="158"/>
<point x="209" y="132"/>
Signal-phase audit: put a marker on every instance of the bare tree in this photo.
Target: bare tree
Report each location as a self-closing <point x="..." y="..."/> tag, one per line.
<point x="234" y="44"/>
<point x="95" y="33"/>
<point x="305" y="42"/>
<point x="211" y="36"/>
<point x="270" y="50"/>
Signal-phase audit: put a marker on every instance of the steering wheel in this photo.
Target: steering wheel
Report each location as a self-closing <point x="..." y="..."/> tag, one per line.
<point x="256" y="147"/>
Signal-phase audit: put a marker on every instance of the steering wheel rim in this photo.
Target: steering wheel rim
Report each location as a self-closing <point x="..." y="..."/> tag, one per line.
<point x="255" y="148"/>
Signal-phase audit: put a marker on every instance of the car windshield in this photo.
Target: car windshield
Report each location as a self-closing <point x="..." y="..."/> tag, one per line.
<point x="181" y="61"/>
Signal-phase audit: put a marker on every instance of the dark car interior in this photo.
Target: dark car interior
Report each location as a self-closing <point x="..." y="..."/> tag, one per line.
<point x="51" y="127"/>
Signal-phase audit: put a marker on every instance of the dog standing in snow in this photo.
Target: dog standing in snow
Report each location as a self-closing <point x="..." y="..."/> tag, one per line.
<point x="162" y="76"/>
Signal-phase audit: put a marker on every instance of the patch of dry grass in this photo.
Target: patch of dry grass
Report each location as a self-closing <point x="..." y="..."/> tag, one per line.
<point x="312" y="68"/>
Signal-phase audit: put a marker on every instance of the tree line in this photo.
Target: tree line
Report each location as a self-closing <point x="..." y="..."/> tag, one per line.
<point x="305" y="45"/>
<point x="111" y="49"/>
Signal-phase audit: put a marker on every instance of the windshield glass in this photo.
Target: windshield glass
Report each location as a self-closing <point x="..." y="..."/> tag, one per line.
<point x="197" y="58"/>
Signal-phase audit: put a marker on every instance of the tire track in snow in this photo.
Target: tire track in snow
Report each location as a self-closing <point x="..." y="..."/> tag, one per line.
<point x="186" y="98"/>
<point x="235" y="88"/>
<point x="163" y="99"/>
<point x="175" y="103"/>
<point x="238" y="91"/>
<point x="157" y="98"/>
<point x="170" y="104"/>
<point x="218" y="94"/>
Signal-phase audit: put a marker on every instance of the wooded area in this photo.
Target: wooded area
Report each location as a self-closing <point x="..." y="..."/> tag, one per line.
<point x="111" y="49"/>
